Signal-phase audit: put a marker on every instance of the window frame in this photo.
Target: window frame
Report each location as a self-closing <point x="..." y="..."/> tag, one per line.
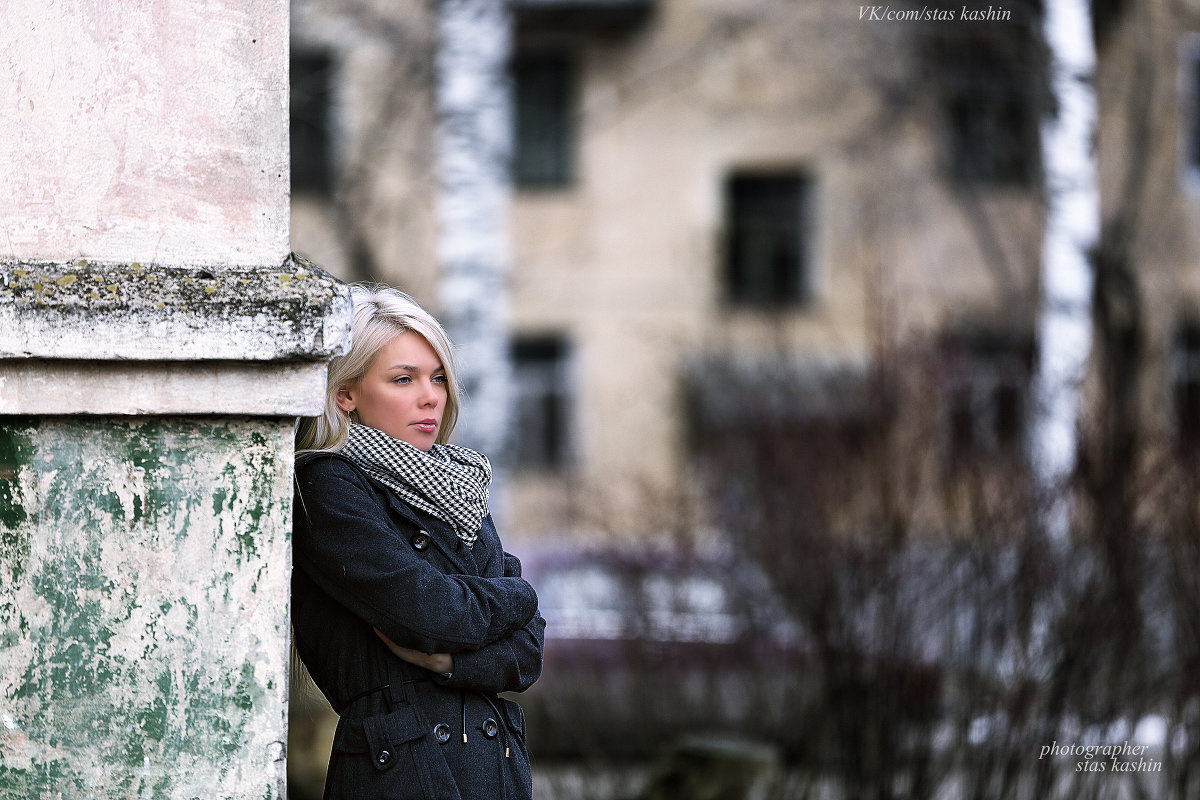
<point x="754" y="208"/>
<point x="556" y="166"/>
<point x="318" y="170"/>
<point x="1183" y="371"/>
<point x="543" y="375"/>
<point x="1189" y="112"/>
<point x="980" y="368"/>
<point x="987" y="82"/>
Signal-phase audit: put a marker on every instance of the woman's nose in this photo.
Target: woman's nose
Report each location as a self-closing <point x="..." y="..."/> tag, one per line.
<point x="429" y="397"/>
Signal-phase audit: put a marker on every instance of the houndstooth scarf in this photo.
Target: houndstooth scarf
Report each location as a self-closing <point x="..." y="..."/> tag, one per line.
<point x="448" y="481"/>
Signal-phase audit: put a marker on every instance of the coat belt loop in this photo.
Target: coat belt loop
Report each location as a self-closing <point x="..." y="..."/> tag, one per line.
<point x="401" y="690"/>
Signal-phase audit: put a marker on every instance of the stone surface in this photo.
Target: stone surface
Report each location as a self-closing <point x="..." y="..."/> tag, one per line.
<point x="137" y="388"/>
<point x="156" y="343"/>
<point x="144" y="570"/>
<point x="145" y="130"/>
<point x="148" y="312"/>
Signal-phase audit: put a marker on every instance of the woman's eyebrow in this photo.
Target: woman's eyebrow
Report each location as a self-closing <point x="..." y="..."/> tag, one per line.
<point x="411" y="368"/>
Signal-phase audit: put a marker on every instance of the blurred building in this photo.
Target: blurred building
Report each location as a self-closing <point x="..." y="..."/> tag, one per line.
<point x="1149" y="152"/>
<point x="713" y="197"/>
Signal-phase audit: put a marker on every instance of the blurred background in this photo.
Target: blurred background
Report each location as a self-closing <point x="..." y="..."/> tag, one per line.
<point x="750" y="301"/>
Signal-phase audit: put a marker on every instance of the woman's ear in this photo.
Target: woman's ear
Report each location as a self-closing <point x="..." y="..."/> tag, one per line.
<point x="345" y="399"/>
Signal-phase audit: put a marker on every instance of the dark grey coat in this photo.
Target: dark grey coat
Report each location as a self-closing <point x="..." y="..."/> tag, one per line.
<point x="364" y="558"/>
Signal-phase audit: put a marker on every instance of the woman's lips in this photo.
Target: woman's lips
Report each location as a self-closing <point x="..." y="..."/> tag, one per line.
<point x="426" y="425"/>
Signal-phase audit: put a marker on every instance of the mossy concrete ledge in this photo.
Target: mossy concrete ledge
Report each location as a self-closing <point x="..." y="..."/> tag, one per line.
<point x="145" y="312"/>
<point x="147" y="418"/>
<point x="138" y="338"/>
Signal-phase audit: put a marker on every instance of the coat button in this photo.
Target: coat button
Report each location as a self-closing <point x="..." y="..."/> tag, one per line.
<point x="490" y="728"/>
<point x="384" y="757"/>
<point x="441" y="732"/>
<point x="420" y="540"/>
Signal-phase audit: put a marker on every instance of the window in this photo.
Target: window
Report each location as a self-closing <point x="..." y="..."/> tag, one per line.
<point x="541" y="368"/>
<point x="1185" y="385"/>
<point x="544" y="137"/>
<point x="1106" y="15"/>
<point x="767" y="228"/>
<point x="592" y="18"/>
<point x="311" y="82"/>
<point x="1189" y="64"/>
<point x="991" y="109"/>
<point x="986" y="393"/>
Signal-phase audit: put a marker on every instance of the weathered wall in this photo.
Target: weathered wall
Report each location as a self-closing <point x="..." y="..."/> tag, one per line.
<point x="145" y="515"/>
<point x="144" y="570"/>
<point x="157" y="342"/>
<point x="122" y="112"/>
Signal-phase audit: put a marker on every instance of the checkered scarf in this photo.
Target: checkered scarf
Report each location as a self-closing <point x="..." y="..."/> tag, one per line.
<point x="448" y="481"/>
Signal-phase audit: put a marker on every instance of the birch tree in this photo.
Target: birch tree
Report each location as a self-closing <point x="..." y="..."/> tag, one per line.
<point x="1072" y="228"/>
<point x="472" y="155"/>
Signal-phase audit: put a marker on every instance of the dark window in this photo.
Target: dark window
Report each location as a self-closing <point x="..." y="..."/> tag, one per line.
<point x="1185" y="385"/>
<point x="1194" y="116"/>
<point x="991" y="110"/>
<point x="544" y="137"/>
<point x="766" y="251"/>
<point x="311" y="82"/>
<point x="1190" y="58"/>
<point x="1106" y="15"/>
<point x="591" y="18"/>
<point x="541" y="367"/>
<point x="986" y="393"/>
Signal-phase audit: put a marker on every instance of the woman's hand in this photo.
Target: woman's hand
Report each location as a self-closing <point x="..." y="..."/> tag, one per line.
<point x="442" y="663"/>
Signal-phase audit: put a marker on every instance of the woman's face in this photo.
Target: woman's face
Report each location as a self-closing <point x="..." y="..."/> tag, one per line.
<point x="403" y="393"/>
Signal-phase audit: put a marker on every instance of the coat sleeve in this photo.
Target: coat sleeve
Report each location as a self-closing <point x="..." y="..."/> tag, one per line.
<point x="344" y="541"/>
<point x="511" y="664"/>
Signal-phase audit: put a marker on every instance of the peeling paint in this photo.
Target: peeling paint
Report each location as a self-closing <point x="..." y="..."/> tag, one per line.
<point x="144" y="572"/>
<point x="16" y="450"/>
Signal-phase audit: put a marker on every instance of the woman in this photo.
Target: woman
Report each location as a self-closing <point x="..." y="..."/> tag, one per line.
<point x="406" y="609"/>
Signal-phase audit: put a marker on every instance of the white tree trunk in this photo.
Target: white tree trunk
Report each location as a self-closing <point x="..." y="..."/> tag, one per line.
<point x="474" y="192"/>
<point x="1072" y="228"/>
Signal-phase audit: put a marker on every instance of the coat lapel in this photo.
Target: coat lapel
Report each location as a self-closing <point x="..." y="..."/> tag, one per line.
<point x="444" y="537"/>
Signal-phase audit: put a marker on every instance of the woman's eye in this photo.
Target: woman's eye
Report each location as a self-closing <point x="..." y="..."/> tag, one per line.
<point x="439" y="378"/>
<point x="402" y="379"/>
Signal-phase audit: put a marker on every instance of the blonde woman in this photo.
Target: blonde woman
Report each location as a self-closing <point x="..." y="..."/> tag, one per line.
<point x="405" y="608"/>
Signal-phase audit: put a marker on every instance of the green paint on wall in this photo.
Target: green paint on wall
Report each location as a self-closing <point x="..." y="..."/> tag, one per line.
<point x="247" y="689"/>
<point x="148" y="603"/>
<point x="16" y="451"/>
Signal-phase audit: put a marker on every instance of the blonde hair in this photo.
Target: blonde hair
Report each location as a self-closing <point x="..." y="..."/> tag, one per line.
<point x="381" y="313"/>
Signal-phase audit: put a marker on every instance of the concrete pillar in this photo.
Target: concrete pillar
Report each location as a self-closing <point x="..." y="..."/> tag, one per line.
<point x="157" y="342"/>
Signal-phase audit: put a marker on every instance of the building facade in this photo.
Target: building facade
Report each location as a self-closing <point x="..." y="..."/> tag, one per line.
<point x="779" y="221"/>
<point x="711" y="197"/>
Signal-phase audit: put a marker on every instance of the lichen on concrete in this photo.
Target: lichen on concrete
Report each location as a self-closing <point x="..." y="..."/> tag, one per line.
<point x="144" y="572"/>
<point x="146" y="311"/>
